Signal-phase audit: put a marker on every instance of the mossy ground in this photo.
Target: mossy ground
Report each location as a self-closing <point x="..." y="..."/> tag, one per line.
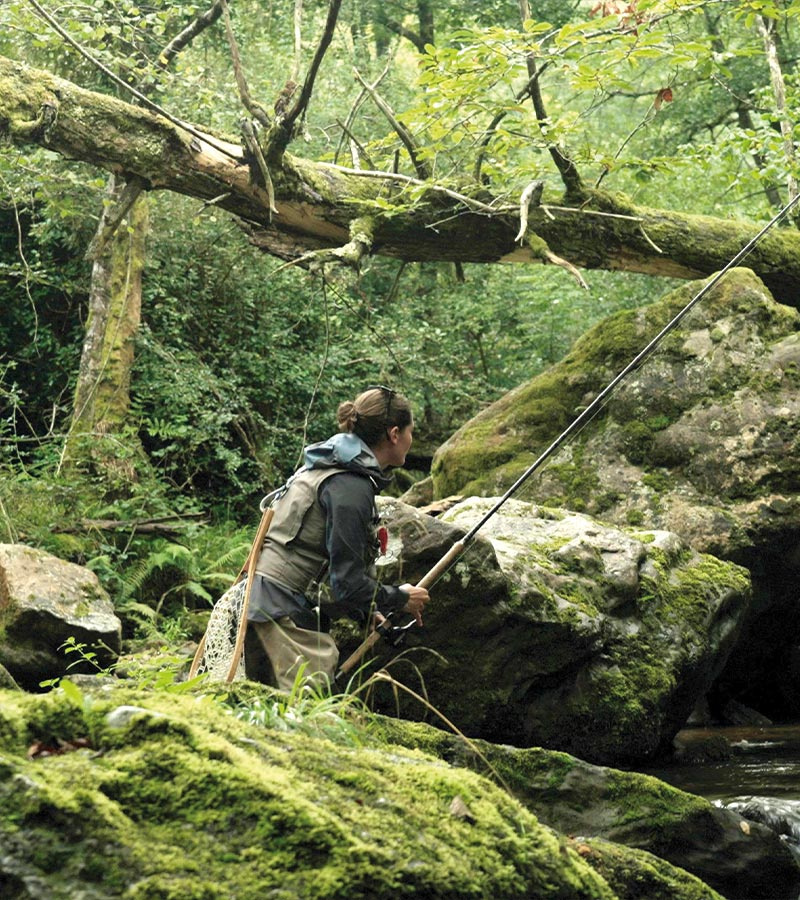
<point x="626" y="805"/>
<point x="186" y="802"/>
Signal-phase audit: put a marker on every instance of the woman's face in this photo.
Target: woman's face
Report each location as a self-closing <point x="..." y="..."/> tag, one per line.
<point x="404" y="440"/>
<point x="400" y="440"/>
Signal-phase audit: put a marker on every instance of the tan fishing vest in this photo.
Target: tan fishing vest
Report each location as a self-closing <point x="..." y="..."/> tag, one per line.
<point x="299" y="521"/>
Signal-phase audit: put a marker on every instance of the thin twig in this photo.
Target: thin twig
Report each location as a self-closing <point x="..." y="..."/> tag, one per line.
<point x="348" y="124"/>
<point x="566" y="167"/>
<point x="420" y="165"/>
<point x="476" y="205"/>
<point x="646" y="236"/>
<point x="298" y="39"/>
<point x="322" y="366"/>
<point x="356" y="148"/>
<point x="648" y="118"/>
<point x="308" y="85"/>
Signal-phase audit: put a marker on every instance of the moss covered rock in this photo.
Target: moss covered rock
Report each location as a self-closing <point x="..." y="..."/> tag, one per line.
<point x="741" y="859"/>
<point x="44" y="602"/>
<point x="712" y="417"/>
<point x="636" y="873"/>
<point x="556" y="630"/>
<point x="177" y="799"/>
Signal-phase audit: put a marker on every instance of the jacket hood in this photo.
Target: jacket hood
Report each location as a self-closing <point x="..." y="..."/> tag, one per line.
<point x="345" y="450"/>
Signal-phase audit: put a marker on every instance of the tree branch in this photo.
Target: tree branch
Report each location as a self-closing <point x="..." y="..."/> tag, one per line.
<point x="420" y="166"/>
<point x="348" y="124"/>
<point x="113" y="216"/>
<point x="318" y="202"/>
<point x="281" y="134"/>
<point x="569" y="173"/>
<point x="120" y="82"/>
<point x="188" y="34"/>
<point x="255" y="109"/>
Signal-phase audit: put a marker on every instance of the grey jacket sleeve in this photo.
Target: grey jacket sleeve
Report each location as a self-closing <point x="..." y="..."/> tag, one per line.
<point x="348" y="500"/>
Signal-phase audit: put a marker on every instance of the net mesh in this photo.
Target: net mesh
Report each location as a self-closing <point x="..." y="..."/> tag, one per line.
<point x="221" y="635"/>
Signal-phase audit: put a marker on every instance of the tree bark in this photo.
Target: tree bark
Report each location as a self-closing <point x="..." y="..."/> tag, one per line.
<point x="324" y="207"/>
<point x="102" y="393"/>
<point x="766" y="29"/>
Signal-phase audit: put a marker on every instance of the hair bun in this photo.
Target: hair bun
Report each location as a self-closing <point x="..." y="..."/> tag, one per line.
<point x="347" y="416"/>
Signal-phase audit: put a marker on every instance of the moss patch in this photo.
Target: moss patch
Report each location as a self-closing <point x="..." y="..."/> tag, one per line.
<point x="184" y="802"/>
<point x="636" y="873"/>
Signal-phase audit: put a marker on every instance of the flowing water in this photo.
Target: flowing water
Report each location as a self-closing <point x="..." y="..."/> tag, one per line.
<point x="760" y="780"/>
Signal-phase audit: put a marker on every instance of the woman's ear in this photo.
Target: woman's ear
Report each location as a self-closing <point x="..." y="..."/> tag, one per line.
<point x="393" y="433"/>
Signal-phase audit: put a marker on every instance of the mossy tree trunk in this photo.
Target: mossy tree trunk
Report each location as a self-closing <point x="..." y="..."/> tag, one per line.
<point x="99" y="433"/>
<point x="321" y="207"/>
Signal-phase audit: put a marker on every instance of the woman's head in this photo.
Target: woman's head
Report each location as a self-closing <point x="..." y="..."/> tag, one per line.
<point x="378" y="414"/>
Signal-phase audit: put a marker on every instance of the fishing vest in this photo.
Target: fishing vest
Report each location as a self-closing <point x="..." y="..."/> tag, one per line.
<point x="294" y="554"/>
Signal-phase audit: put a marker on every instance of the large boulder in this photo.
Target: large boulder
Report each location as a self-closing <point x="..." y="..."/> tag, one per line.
<point x="702" y="440"/>
<point x="555" y="630"/>
<point x="45" y="602"/>
<point x="168" y="796"/>
<point x="741" y="859"/>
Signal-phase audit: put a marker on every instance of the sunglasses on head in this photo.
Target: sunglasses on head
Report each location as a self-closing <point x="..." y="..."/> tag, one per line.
<point x="388" y="393"/>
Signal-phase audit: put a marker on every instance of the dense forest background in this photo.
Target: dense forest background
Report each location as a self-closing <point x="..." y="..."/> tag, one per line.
<point x="239" y="357"/>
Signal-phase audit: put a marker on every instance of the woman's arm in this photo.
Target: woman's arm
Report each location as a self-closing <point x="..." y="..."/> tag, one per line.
<point x="348" y="501"/>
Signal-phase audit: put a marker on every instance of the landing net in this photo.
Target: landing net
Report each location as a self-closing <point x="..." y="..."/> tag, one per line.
<point x="221" y="632"/>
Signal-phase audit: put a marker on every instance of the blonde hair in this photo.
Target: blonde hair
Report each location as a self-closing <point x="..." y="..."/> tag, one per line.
<point x="373" y="413"/>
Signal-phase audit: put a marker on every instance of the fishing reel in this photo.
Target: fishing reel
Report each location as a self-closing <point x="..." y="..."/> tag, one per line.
<point x="394" y="635"/>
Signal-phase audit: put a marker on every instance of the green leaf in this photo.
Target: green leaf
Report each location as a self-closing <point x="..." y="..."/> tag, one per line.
<point x="72" y="692"/>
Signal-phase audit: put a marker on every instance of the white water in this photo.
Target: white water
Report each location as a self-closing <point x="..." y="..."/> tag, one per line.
<point x="760" y="781"/>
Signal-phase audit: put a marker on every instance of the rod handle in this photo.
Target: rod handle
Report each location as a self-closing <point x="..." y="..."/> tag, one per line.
<point x="442" y="566"/>
<point x="358" y="654"/>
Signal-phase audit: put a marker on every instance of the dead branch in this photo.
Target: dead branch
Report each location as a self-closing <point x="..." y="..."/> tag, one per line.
<point x="187" y="35"/>
<point x="566" y="264"/>
<point x="159" y="525"/>
<point x="279" y="140"/>
<point x="257" y="155"/>
<point x="348" y="124"/>
<point x="420" y="166"/>
<point x="531" y="195"/>
<point x="255" y="109"/>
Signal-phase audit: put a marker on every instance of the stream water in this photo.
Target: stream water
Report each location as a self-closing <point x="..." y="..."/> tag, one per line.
<point x="760" y="780"/>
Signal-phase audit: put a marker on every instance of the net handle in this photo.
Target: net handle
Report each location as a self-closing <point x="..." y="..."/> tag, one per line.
<point x="249" y="568"/>
<point x="263" y="528"/>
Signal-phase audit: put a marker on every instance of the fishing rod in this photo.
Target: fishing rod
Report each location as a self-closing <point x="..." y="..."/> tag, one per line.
<point x="455" y="551"/>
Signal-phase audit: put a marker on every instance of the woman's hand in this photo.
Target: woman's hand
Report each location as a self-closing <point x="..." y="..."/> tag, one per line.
<point x="417" y="598"/>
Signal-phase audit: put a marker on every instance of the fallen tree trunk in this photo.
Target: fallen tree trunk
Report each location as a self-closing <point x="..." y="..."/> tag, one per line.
<point x="321" y="207"/>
